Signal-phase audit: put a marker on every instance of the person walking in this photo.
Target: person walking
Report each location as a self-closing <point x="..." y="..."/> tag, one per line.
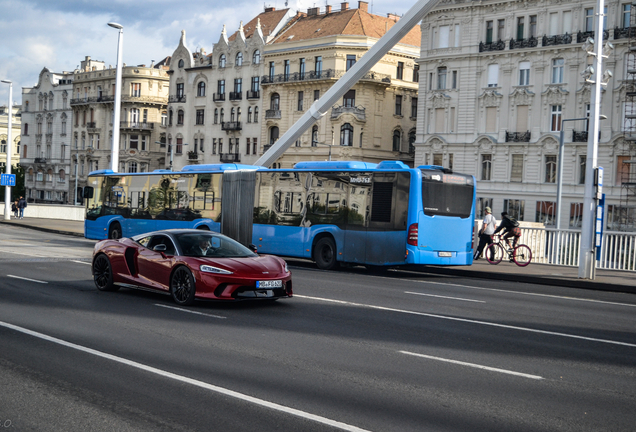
<point x="21" y="205"/>
<point x="485" y="233"/>
<point x="14" y="208"/>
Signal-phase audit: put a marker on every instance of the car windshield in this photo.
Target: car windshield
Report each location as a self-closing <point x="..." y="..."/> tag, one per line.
<point x="212" y="245"/>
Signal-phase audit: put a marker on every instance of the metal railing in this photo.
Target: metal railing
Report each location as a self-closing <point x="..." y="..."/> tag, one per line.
<point x="230" y="157"/>
<point x="518" y="136"/>
<point x="561" y="247"/>
<point x="530" y="42"/>
<point x="136" y="125"/>
<point x="253" y="94"/>
<point x="231" y="125"/>
<point x="556" y="40"/>
<point x="492" y="46"/>
<point x="236" y="96"/>
<point x="176" y="99"/>
<point x="323" y="74"/>
<point x="272" y="114"/>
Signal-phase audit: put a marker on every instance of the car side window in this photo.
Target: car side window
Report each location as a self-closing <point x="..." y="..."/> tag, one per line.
<point x="144" y="241"/>
<point x="164" y="240"/>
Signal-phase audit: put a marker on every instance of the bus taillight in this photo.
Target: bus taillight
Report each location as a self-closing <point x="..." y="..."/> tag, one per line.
<point x="412" y="237"/>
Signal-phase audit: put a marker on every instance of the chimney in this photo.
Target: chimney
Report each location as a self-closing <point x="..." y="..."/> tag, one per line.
<point x="327" y="9"/>
<point x="270" y="9"/>
<point x="313" y="11"/>
<point x="364" y="6"/>
<point x="393" y="17"/>
<point x="344" y="6"/>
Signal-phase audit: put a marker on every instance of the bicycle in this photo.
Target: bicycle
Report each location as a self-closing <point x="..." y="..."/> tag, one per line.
<point x="495" y="252"/>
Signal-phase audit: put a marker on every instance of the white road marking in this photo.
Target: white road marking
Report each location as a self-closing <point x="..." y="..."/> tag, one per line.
<point x="486" y="323"/>
<point x="488" y="368"/>
<point x="21" y="253"/>
<point x="191" y="381"/>
<point x="446" y="297"/>
<point x="189" y="311"/>
<point x="27" y="279"/>
<point x="81" y="262"/>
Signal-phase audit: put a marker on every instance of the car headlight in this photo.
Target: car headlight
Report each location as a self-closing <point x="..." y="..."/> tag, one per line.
<point x="285" y="267"/>
<point x="212" y="269"/>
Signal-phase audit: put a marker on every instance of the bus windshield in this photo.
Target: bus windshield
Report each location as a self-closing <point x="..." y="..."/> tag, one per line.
<point x="447" y="194"/>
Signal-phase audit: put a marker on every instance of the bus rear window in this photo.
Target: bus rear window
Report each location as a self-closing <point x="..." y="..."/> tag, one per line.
<point x="447" y="194"/>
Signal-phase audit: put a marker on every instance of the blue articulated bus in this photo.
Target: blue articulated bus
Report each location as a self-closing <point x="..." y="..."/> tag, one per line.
<point x="342" y="212"/>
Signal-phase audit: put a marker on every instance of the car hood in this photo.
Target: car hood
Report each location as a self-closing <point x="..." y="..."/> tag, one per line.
<point x="260" y="266"/>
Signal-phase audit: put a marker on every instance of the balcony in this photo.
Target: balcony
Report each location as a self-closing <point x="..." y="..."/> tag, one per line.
<point x="531" y="42"/>
<point x="218" y="97"/>
<point x="176" y="99"/>
<point x="253" y="94"/>
<point x="236" y="96"/>
<point x="136" y="125"/>
<point x="230" y="157"/>
<point x="91" y="125"/>
<point x="320" y="75"/>
<point x="231" y="126"/>
<point x="624" y="33"/>
<point x="582" y="36"/>
<point x="582" y="136"/>
<point x="272" y="114"/>
<point x="518" y="136"/>
<point x="40" y="160"/>
<point x="492" y="46"/>
<point x="556" y="40"/>
<point x="192" y="155"/>
<point x="359" y="112"/>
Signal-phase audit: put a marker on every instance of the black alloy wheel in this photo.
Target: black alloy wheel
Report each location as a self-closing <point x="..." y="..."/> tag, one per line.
<point x="325" y="254"/>
<point x="103" y="274"/>
<point x="182" y="288"/>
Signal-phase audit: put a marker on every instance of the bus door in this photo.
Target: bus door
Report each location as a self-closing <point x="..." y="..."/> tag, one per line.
<point x="386" y="238"/>
<point x="355" y="238"/>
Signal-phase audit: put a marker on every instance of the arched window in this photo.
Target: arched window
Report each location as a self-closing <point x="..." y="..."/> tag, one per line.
<point x="274" y="103"/>
<point x="314" y="136"/>
<point x="61" y="175"/>
<point x="180" y="116"/>
<point x="26" y="129"/>
<point x="24" y="151"/>
<point x="273" y="135"/>
<point x="216" y="116"/>
<point x="256" y="57"/>
<point x="170" y="115"/>
<point x="397" y="140"/>
<point x="249" y="114"/>
<point x="255" y="114"/>
<point x="232" y="114"/>
<point x="201" y="89"/>
<point x="132" y="167"/>
<point x="239" y="59"/>
<point x="412" y="141"/>
<point x="181" y="63"/>
<point x="222" y="61"/>
<point x="238" y="114"/>
<point x="346" y="135"/>
<point x="3" y="146"/>
<point x="222" y="114"/>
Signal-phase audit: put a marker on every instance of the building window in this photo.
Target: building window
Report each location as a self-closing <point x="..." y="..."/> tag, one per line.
<point x="532" y="30"/>
<point x="272" y="71"/>
<point x="413" y="107"/>
<point x="274" y="103"/>
<point x="351" y="60"/>
<point x="273" y="134"/>
<point x="300" y="100"/>
<point x="438" y="159"/>
<point x="400" y="71"/>
<point x="622" y="170"/>
<point x="286" y="70"/>
<point x="254" y="145"/>
<point x="589" y="19"/>
<point x="200" y="117"/>
<point x="486" y="166"/>
<point x="238" y="85"/>
<point x="546" y="212"/>
<point x="516" y="168"/>
<point x="222" y="61"/>
<point x="500" y="29"/>
<point x="482" y="203"/>
<point x="582" y="165"/>
<point x="520" y="29"/>
<point x="349" y="99"/>
<point x="179" y="147"/>
<point x="555" y="119"/>
<point x="301" y="68"/>
<point x="216" y="115"/>
<point x="397" y="140"/>
<point x="181" y="63"/>
<point x="454" y="80"/>
<point x="132" y="167"/>
<point x="316" y="95"/>
<point x="232" y="115"/>
<point x="180" y="116"/>
<point x="550" y="168"/>
<point x="524" y="73"/>
<point x="255" y="84"/>
<point x="221" y="87"/>
<point x="346" y="135"/>
<point x="255" y="114"/>
<point x="416" y="73"/>
<point x="239" y="59"/>
<point x="256" y="57"/>
<point x="627" y="14"/>
<point x="441" y="78"/>
<point x="314" y="136"/>
<point x="318" y="66"/>
<point x="515" y="208"/>
<point x="557" y="70"/>
<point x="249" y="114"/>
<point x="222" y="115"/>
<point x="493" y="75"/>
<point x="180" y="90"/>
<point x="398" y="105"/>
<point x="135" y="89"/>
<point x="201" y="89"/>
<point x="489" y="30"/>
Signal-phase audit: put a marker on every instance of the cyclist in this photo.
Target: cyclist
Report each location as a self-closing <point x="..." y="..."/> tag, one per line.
<point x="511" y="229"/>
<point x="486" y="232"/>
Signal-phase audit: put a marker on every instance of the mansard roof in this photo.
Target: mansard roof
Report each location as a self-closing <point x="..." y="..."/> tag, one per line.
<point x="269" y="21"/>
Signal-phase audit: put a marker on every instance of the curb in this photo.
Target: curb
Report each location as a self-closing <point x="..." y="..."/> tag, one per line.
<point x="51" y="230"/>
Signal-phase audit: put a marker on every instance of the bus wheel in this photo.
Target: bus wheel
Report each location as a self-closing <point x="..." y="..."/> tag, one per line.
<point x="203" y="227"/>
<point x="114" y="232"/>
<point x="325" y="254"/>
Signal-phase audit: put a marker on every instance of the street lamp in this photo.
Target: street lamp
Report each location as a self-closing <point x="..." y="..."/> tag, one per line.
<point x="325" y="144"/>
<point x="7" y="189"/>
<point x="114" y="155"/>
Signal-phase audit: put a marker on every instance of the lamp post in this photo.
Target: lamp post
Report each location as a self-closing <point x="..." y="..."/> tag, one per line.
<point x="7" y="189"/>
<point x="114" y="155"/>
<point x="560" y="171"/>
<point x="325" y="144"/>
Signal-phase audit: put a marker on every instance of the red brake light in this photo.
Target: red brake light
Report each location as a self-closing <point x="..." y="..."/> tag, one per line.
<point x="412" y="235"/>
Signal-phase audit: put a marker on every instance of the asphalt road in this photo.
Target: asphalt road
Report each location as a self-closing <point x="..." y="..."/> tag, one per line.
<point x="400" y="351"/>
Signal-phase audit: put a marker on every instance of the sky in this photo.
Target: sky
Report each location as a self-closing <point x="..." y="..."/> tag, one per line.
<point x="58" y="34"/>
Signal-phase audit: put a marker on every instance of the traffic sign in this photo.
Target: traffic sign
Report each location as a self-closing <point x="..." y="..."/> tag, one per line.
<point x="7" y="179"/>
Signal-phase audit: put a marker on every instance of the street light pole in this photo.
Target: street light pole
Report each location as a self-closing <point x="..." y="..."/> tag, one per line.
<point x="560" y="171"/>
<point x="7" y="189"/>
<point x="114" y="155"/>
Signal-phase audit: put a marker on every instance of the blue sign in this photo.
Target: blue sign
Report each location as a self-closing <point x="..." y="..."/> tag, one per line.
<point x="7" y="180"/>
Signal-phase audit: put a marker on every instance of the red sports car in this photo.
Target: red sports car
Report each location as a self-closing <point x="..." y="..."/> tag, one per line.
<point x="190" y="264"/>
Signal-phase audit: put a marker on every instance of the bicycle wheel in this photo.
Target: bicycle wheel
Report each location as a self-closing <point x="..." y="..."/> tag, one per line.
<point x="522" y="255"/>
<point x="494" y="253"/>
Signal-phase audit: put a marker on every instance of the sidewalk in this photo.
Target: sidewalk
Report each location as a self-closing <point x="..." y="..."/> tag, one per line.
<point x="606" y="280"/>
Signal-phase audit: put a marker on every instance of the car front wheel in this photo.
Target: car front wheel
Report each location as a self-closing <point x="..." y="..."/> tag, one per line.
<point x="182" y="288"/>
<point x="103" y="274"/>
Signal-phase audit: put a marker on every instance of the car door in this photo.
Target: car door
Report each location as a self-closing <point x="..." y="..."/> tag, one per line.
<point x="155" y="266"/>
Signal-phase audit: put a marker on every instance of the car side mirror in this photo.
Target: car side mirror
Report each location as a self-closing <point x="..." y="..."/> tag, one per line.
<point x="252" y="247"/>
<point x="160" y="248"/>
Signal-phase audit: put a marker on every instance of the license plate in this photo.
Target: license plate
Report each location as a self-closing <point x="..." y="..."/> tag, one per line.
<point x="444" y="254"/>
<point x="269" y="284"/>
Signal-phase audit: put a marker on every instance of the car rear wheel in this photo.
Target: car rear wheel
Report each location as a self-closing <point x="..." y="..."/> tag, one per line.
<point x="103" y="274"/>
<point x="114" y="231"/>
<point x="325" y="254"/>
<point x="182" y="288"/>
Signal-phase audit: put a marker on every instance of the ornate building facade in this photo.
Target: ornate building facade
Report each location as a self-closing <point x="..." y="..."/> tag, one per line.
<point x="375" y="119"/>
<point x="46" y="132"/>
<point x="497" y="79"/>
<point x="143" y="118"/>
